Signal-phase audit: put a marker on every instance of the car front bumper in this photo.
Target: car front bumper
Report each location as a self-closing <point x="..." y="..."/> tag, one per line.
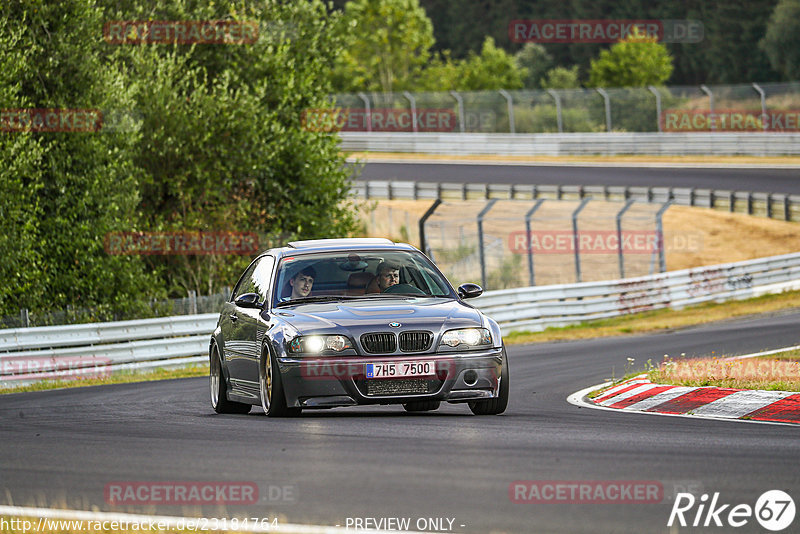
<point x="326" y="382"/>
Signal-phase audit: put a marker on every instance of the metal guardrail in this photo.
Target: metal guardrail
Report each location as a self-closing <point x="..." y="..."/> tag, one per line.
<point x="536" y="308"/>
<point x="773" y="205"/>
<point x="180" y="340"/>
<point x="578" y="144"/>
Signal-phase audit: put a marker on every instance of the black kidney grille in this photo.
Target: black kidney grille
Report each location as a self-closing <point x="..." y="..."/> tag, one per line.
<point x="415" y="341"/>
<point x="379" y="343"/>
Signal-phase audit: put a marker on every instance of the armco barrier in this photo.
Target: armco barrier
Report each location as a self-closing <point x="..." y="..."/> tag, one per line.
<point x="574" y="144"/>
<point x="774" y="205"/>
<point x="184" y="339"/>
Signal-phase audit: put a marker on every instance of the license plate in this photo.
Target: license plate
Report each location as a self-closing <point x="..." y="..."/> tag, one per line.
<point x="400" y="369"/>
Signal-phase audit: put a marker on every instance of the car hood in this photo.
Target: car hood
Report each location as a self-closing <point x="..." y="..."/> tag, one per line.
<point x="433" y="314"/>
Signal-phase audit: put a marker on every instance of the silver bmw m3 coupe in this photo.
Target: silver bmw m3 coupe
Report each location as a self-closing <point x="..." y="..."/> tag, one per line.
<point x="346" y="322"/>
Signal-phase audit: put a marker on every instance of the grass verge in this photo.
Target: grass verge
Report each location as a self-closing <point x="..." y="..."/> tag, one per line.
<point x="116" y="378"/>
<point x="660" y="320"/>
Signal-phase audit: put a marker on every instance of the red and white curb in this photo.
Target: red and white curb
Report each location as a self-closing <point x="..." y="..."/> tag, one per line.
<point x="640" y="395"/>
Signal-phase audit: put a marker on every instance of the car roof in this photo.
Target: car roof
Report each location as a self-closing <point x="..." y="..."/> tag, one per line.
<point x="345" y="245"/>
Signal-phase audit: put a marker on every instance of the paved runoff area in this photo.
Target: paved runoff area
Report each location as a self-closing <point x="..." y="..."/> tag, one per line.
<point x="640" y="395"/>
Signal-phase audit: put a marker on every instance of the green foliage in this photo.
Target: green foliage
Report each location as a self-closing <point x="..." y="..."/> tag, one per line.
<point x="219" y="146"/>
<point x="636" y="61"/>
<point x="782" y="41"/>
<point x="388" y="44"/>
<point x="561" y="78"/>
<point x="492" y="69"/>
<point x="536" y="61"/>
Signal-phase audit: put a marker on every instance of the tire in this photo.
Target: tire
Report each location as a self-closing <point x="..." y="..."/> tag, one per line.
<point x="219" y="387"/>
<point x="273" y="400"/>
<point x="421" y="406"/>
<point x="497" y="405"/>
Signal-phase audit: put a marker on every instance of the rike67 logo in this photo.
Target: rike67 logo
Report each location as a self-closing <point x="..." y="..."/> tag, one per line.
<point x="774" y="510"/>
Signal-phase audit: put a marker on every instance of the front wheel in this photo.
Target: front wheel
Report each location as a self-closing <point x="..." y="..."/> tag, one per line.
<point x="273" y="400"/>
<point x="497" y="405"/>
<point x="219" y="388"/>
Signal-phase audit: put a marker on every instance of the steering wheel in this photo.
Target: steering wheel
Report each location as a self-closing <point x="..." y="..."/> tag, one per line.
<point x="407" y="289"/>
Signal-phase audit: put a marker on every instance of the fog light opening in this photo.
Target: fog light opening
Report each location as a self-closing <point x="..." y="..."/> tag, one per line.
<point x="470" y="378"/>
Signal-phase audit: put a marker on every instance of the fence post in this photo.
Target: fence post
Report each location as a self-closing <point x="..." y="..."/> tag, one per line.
<point x="619" y="236"/>
<point x="763" y="96"/>
<point x="364" y="99"/>
<point x="707" y="91"/>
<point x="662" y="262"/>
<point x="510" y="103"/>
<point x="25" y="319"/>
<point x="528" y="217"/>
<point x="481" y="253"/>
<point x="460" y="102"/>
<point x="559" y="118"/>
<point x="607" y="101"/>
<point x="413" y="103"/>
<point x="658" y="106"/>
<point x="575" y="241"/>
<point x="425" y="216"/>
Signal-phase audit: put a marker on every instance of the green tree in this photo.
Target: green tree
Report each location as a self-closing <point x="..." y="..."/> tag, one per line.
<point x="62" y="192"/>
<point x="637" y="61"/>
<point x="782" y="41"/>
<point x="492" y="69"/>
<point x="561" y="78"/>
<point x="536" y="61"/>
<point x="388" y="45"/>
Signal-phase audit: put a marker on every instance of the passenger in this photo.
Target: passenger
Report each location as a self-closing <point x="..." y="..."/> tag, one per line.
<point x="302" y="282"/>
<point x="388" y="275"/>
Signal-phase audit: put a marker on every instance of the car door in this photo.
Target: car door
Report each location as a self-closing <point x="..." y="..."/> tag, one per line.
<point x="239" y="327"/>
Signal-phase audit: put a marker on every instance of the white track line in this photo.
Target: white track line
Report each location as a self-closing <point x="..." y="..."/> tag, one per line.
<point x="170" y="521"/>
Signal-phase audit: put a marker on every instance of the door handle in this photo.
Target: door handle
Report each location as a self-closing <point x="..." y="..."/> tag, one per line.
<point x="234" y="317"/>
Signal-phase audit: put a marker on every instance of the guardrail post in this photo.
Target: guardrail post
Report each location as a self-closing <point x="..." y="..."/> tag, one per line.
<point x="559" y="117"/>
<point x="769" y="205"/>
<point x="763" y="96"/>
<point x="422" y="245"/>
<point x="25" y="319"/>
<point x="707" y="91"/>
<point x="460" y="102"/>
<point x="786" y="212"/>
<point x="192" y="302"/>
<point x="510" y="103"/>
<point x="658" y="105"/>
<point x="481" y="253"/>
<point x="662" y="262"/>
<point x="364" y="99"/>
<point x="575" y="241"/>
<point x="620" y="254"/>
<point x="528" y="217"/>
<point x="607" y="101"/>
<point x="413" y="103"/>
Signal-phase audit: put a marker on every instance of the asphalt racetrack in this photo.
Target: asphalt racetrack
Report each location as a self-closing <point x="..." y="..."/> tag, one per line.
<point x="61" y="448"/>
<point x="756" y="179"/>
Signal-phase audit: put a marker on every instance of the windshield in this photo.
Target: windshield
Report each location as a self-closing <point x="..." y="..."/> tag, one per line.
<point x="348" y="275"/>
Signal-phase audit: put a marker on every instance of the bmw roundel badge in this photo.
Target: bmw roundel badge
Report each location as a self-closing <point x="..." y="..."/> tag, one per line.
<point x="394" y="324"/>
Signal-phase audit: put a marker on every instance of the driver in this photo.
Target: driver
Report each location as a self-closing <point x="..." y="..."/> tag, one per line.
<point x="302" y="282"/>
<point x="388" y="275"/>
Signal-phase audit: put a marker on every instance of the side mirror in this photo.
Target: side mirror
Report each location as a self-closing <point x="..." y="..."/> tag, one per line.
<point x="248" y="300"/>
<point x="468" y="291"/>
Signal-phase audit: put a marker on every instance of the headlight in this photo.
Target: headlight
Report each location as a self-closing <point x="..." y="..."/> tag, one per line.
<point x="317" y="344"/>
<point x="472" y="337"/>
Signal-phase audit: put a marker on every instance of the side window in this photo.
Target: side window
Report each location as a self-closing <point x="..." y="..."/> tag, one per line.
<point x="255" y="279"/>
